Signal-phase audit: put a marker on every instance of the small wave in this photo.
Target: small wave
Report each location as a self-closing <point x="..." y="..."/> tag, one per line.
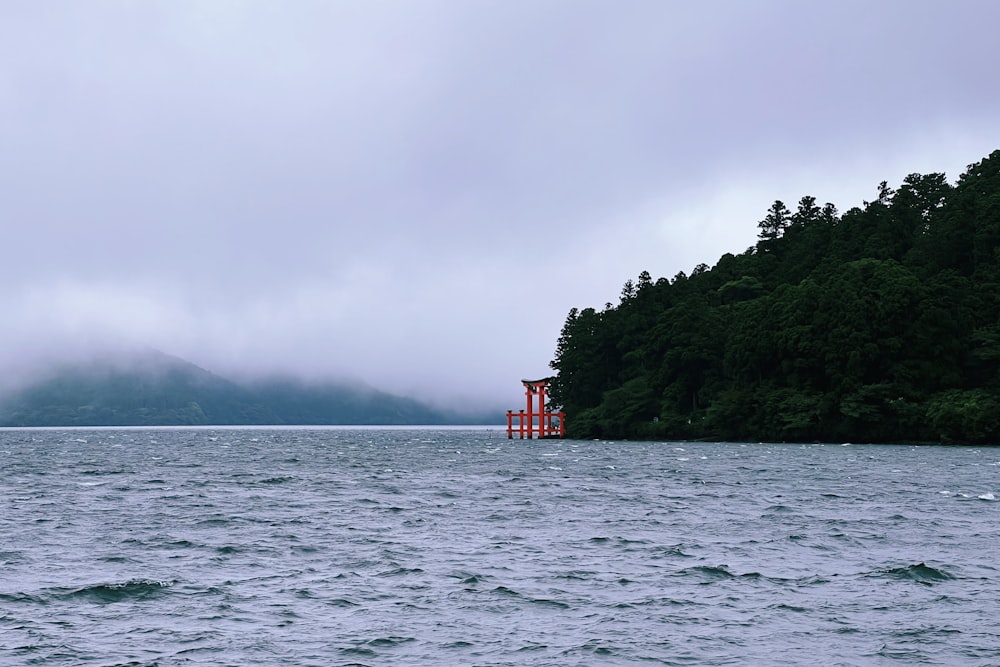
<point x="468" y="578"/>
<point x="176" y="544"/>
<point x="920" y="573"/>
<point x="11" y="557"/>
<point x="277" y="480"/>
<point x="133" y="589"/>
<point x="385" y="642"/>
<point x="779" y="508"/>
<point x="623" y="542"/>
<point x="342" y="602"/>
<point x="541" y="602"/>
<point x="532" y="647"/>
<point x="708" y="572"/>
<point x="546" y="602"/>
<point x="924" y="631"/>
<point x="598" y="648"/>
<point x="214" y="521"/>
<point x="904" y="655"/>
<point x="667" y="551"/>
<point x="115" y="559"/>
<point x="98" y="471"/>
<point x="21" y="597"/>
<point x="400" y="571"/>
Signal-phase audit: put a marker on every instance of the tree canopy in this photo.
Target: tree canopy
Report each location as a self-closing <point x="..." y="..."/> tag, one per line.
<point x="881" y="324"/>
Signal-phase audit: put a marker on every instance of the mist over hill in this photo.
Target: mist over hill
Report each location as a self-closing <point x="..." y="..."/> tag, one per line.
<point x="150" y="388"/>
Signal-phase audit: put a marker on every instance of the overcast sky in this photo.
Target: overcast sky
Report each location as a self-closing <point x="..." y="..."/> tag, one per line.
<point x="416" y="192"/>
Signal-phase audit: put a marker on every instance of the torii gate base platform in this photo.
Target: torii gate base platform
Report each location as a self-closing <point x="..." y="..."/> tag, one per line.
<point x="537" y="421"/>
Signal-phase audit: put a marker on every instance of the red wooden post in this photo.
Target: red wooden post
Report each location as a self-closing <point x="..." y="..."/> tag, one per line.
<point x="540" y="391"/>
<point x="535" y="408"/>
<point x="528" y="389"/>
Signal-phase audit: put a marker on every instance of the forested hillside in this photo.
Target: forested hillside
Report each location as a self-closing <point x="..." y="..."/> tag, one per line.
<point x="881" y="324"/>
<point x="154" y="389"/>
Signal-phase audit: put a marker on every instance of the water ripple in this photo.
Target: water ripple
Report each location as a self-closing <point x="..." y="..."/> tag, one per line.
<point x="416" y="547"/>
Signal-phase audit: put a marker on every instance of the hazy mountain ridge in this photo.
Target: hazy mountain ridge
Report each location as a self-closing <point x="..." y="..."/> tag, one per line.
<point x="150" y="388"/>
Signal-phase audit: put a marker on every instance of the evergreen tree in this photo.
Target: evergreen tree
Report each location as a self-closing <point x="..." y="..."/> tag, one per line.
<point x="776" y="221"/>
<point x="881" y="325"/>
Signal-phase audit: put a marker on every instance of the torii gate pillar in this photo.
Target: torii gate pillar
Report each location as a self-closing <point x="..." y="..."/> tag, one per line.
<point x="549" y="424"/>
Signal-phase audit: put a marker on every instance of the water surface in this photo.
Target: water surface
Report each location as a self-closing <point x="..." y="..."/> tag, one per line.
<point x="459" y="547"/>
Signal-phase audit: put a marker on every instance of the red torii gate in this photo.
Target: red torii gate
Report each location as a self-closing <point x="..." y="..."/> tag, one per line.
<point x="549" y="424"/>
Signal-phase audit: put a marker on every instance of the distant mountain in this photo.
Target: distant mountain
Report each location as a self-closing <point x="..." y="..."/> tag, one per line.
<point x="150" y="388"/>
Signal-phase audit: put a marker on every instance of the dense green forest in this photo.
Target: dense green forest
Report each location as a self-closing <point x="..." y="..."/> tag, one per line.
<point x="881" y="324"/>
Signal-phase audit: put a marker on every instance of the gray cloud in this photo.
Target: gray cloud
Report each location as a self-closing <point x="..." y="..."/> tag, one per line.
<point x="417" y="193"/>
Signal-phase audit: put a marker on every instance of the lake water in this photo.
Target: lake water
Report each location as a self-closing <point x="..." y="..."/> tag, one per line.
<point x="459" y="547"/>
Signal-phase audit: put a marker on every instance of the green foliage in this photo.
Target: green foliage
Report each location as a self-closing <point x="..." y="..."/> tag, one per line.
<point x="881" y="325"/>
<point x="965" y="415"/>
